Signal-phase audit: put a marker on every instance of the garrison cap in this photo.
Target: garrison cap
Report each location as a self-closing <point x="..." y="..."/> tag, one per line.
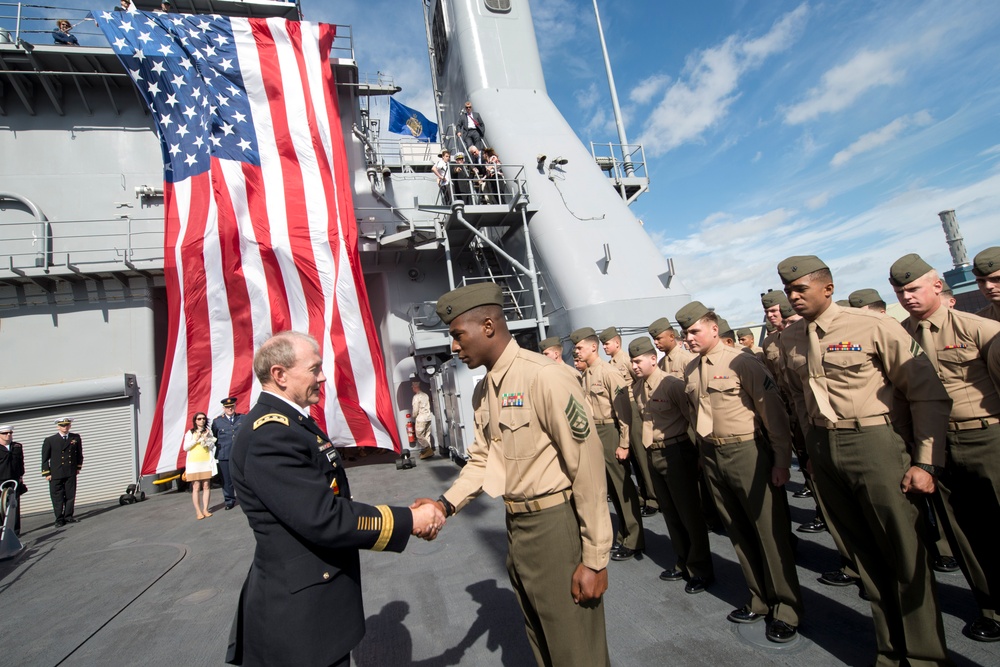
<point x="773" y="298"/>
<point x="228" y="402"/>
<point x="787" y="310"/>
<point x="691" y="313"/>
<point x="608" y="334"/>
<point x="860" y="298"/>
<point x="551" y="341"/>
<point x="843" y="303"/>
<point x="464" y="299"/>
<point x="987" y="262"/>
<point x="796" y="266"/>
<point x="640" y="346"/>
<point x="725" y="330"/>
<point x="580" y="334"/>
<point x="740" y="333"/>
<point x="659" y="326"/>
<point x="63" y="421"/>
<point x="908" y="268"/>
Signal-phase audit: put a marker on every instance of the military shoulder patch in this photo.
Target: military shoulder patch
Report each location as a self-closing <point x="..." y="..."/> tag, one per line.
<point x="915" y="348"/>
<point x="270" y="417"/>
<point x="579" y="424"/>
<point x="769" y="383"/>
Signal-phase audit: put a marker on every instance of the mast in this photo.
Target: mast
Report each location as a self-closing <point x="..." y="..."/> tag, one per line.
<point x="622" y="139"/>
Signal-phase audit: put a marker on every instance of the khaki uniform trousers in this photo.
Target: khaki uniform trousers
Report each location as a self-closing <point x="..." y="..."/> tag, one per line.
<point x="623" y="494"/>
<point x="422" y="434"/>
<point x="675" y="481"/>
<point x="857" y="474"/>
<point x="643" y="478"/>
<point x="756" y="517"/>
<point x="543" y="552"/>
<point x="970" y="495"/>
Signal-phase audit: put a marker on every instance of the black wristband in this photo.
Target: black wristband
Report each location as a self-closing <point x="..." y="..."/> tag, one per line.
<point x="927" y="467"/>
<point x="449" y="509"/>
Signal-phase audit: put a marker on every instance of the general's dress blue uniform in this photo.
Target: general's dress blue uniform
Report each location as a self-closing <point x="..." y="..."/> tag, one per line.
<point x="224" y="429"/>
<point x="301" y="602"/>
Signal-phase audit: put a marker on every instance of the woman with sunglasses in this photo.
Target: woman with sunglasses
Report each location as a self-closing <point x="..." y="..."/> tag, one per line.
<point x="199" y="443"/>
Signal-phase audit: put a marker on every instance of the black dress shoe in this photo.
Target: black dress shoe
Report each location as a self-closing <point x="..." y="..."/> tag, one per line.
<point x="70" y="519"/>
<point x="672" y="574"/>
<point x="60" y="523"/>
<point x="837" y="578"/>
<point x="697" y="585"/>
<point x="984" y="630"/>
<point x="744" y="615"/>
<point x="780" y="632"/>
<point x="817" y="525"/>
<point x="230" y="506"/>
<point x="648" y="511"/>
<point x="804" y="492"/>
<point x="945" y="564"/>
<point x="624" y="553"/>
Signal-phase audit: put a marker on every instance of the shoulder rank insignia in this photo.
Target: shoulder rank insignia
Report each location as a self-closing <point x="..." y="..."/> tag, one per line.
<point x="769" y="383"/>
<point x="844" y="346"/>
<point x="915" y="348"/>
<point x="512" y="400"/>
<point x="579" y="424"/>
<point x="335" y="487"/>
<point x="270" y="417"/>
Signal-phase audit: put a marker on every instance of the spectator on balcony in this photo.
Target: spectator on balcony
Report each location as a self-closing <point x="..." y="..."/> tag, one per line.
<point x="62" y="34"/>
<point x="123" y="6"/>
<point x="494" y="177"/>
<point x="470" y="127"/>
<point x="461" y="179"/>
<point x="442" y="171"/>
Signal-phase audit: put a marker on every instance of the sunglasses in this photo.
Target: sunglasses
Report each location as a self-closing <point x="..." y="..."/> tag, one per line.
<point x="6" y="433"/>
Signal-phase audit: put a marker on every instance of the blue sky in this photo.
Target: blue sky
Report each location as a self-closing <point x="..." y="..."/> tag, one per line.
<point x="771" y="128"/>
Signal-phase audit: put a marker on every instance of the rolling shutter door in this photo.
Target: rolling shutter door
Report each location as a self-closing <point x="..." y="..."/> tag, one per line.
<point x="107" y="429"/>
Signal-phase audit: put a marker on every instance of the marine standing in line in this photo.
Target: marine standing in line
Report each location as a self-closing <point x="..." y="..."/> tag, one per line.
<point x="845" y="368"/>
<point x="986" y="268"/>
<point x="608" y="399"/>
<point x="675" y="358"/>
<point x="673" y="459"/>
<point x="62" y="461"/>
<point x="534" y="443"/>
<point x="611" y="340"/>
<point x="224" y="429"/>
<point x="730" y="392"/>
<point x="957" y="345"/>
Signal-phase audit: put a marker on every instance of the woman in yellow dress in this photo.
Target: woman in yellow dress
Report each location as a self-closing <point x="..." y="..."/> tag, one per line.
<point x="199" y="443"/>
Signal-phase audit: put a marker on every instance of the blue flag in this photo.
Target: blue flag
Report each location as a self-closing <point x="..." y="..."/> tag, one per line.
<point x="404" y="120"/>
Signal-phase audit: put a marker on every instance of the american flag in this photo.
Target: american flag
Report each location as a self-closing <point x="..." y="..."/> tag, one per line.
<point x="259" y="229"/>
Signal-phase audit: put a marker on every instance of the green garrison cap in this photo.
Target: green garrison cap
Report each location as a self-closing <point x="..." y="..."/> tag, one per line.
<point x="987" y="262"/>
<point x="691" y="313"/>
<point x="860" y="298"/>
<point x="797" y="266"/>
<point x="551" y="341"/>
<point x="640" y="346"/>
<point x="773" y="298"/>
<point x="725" y="330"/>
<point x="787" y="310"/>
<point x="580" y="334"/>
<point x="464" y="299"/>
<point x="740" y="333"/>
<point x="843" y="303"/>
<point x="908" y="268"/>
<point x="659" y="326"/>
<point x="608" y="334"/>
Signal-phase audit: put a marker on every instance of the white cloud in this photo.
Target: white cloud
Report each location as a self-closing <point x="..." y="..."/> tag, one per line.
<point x="843" y="84"/>
<point x="730" y="260"/>
<point x="992" y="150"/>
<point x="881" y="136"/>
<point x="757" y="157"/>
<point x="702" y="98"/>
<point x="818" y="201"/>
<point x="648" y="88"/>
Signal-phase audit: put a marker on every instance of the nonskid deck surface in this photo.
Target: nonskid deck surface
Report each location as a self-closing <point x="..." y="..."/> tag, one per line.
<point x="148" y="584"/>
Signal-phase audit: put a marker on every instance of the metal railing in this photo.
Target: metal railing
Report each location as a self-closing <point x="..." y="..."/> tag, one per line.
<point x="483" y="185"/>
<point x="620" y="161"/>
<point x="37" y="247"/>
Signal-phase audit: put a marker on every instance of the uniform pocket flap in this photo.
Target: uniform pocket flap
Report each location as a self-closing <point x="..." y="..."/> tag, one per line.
<point x="957" y="355"/>
<point x="845" y="359"/>
<point x="723" y="384"/>
<point x="514" y="418"/>
<point x="307" y="570"/>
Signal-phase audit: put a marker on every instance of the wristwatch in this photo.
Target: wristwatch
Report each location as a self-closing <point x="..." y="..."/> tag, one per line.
<point x="449" y="509"/>
<point x="927" y="467"/>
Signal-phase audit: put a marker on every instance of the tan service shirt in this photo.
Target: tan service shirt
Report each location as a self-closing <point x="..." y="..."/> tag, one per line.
<point x="772" y="358"/>
<point x="990" y="312"/>
<point x="675" y="362"/>
<point x="962" y="343"/>
<point x="623" y="364"/>
<point x="663" y="405"/>
<point x="531" y="412"/>
<point x="742" y="394"/>
<point x="608" y="398"/>
<point x="867" y="357"/>
<point x="421" y="408"/>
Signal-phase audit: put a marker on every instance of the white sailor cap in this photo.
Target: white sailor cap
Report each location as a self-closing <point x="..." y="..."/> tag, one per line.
<point x="64" y="420"/>
<point x="6" y="427"/>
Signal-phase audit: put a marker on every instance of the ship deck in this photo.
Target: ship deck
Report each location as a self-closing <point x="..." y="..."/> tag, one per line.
<point x="148" y="584"/>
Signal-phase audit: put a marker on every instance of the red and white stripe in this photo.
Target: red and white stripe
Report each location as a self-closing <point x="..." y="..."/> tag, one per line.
<point x="255" y="250"/>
